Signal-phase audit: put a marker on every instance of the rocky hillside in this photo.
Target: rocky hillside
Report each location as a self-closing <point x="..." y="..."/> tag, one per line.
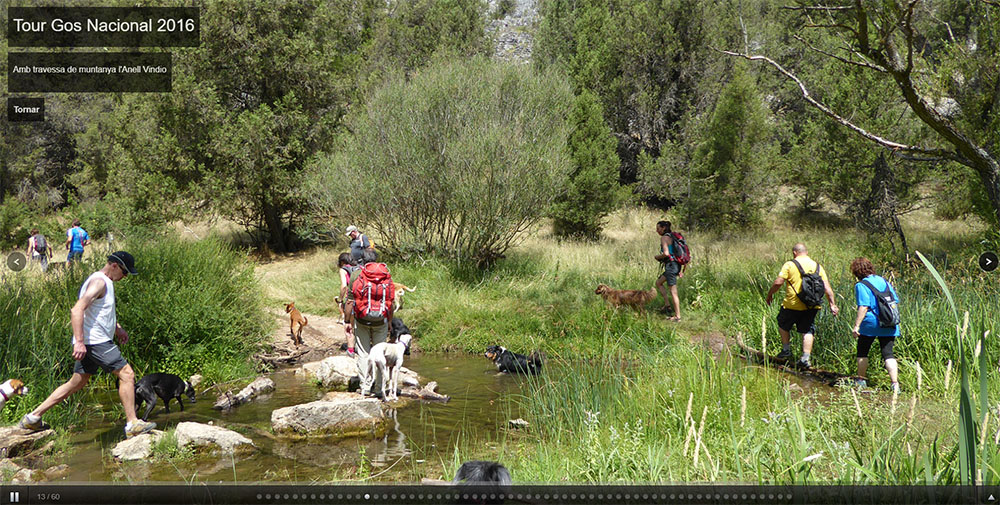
<point x="511" y="23"/>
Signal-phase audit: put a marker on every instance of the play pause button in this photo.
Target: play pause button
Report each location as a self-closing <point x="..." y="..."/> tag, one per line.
<point x="14" y="497"/>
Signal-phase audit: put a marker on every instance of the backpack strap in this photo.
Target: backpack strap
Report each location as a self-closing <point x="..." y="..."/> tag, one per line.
<point x="876" y="292"/>
<point x="803" y="272"/>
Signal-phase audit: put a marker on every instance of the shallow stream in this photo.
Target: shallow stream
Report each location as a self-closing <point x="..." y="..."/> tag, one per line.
<point x="421" y="436"/>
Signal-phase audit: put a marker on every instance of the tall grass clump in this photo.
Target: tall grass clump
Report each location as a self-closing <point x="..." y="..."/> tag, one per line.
<point x="195" y="307"/>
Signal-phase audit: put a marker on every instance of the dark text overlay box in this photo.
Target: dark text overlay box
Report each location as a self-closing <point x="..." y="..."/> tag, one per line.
<point x="25" y="109"/>
<point x="88" y="72"/>
<point x="103" y="27"/>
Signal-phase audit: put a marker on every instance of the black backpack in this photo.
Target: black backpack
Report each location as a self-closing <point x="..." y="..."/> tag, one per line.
<point x="886" y="306"/>
<point x="40" y="244"/>
<point x="813" y="289"/>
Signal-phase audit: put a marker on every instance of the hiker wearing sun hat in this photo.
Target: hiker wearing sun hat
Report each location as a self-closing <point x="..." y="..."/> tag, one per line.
<point x="359" y="243"/>
<point x="94" y="322"/>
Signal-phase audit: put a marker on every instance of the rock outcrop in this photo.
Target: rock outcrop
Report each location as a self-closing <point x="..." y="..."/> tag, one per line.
<point x="214" y="438"/>
<point x="136" y="448"/>
<point x="258" y="387"/>
<point x="17" y="442"/>
<point x="338" y="414"/>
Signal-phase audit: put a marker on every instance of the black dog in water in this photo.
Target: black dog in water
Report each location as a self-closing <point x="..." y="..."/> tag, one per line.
<point x="512" y="362"/>
<point x="162" y="385"/>
<point x="482" y="472"/>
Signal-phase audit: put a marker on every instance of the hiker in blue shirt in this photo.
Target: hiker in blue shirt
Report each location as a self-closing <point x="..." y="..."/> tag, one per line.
<point x="875" y="319"/>
<point x="76" y="240"/>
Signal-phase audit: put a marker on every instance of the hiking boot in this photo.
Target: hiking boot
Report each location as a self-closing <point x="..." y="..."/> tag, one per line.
<point x="138" y="427"/>
<point x="860" y="383"/>
<point x="785" y="355"/>
<point x="803" y="363"/>
<point x="38" y="425"/>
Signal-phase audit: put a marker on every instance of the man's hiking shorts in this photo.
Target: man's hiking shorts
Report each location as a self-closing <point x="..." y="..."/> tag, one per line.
<point x="104" y="356"/>
<point x="803" y="320"/>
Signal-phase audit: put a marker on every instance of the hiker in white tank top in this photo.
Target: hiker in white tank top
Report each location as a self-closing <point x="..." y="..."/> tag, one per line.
<point x="99" y="319"/>
<point x="94" y="323"/>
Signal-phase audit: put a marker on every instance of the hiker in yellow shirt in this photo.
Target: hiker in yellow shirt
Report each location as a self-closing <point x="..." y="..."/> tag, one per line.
<point x="804" y="292"/>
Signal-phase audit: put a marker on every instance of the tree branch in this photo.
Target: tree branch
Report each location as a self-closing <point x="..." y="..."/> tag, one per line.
<point x="819" y="7"/>
<point x="895" y="146"/>
<point x="863" y="64"/>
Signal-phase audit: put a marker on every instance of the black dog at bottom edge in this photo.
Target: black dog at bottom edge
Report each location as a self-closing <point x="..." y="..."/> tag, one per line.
<point x="482" y="472"/>
<point x="163" y="385"/>
<point x="512" y="362"/>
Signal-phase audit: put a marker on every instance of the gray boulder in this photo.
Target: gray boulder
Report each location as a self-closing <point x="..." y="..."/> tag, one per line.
<point x="260" y="386"/>
<point x="17" y="442"/>
<point x="212" y="437"/>
<point x="136" y="448"/>
<point x="338" y="414"/>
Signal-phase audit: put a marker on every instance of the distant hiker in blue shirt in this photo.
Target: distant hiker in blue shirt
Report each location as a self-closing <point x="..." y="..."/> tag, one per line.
<point x="76" y="240"/>
<point x="878" y="317"/>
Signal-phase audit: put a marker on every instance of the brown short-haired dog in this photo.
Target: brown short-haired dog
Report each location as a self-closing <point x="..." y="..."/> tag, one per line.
<point x="296" y="319"/>
<point x="635" y="298"/>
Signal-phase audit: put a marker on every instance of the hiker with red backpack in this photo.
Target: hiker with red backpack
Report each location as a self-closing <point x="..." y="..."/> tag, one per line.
<point x="674" y="256"/>
<point x="368" y="312"/>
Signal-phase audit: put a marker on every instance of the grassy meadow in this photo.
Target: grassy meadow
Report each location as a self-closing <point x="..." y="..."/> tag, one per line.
<point x="621" y="412"/>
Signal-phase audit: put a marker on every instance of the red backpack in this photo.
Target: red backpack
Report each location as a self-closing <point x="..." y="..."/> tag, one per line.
<point x="683" y="256"/>
<point x="373" y="293"/>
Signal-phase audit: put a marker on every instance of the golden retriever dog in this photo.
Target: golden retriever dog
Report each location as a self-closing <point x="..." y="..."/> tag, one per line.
<point x="296" y="323"/>
<point x="635" y="298"/>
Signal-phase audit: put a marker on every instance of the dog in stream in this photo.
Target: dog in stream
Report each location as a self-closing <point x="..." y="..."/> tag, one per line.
<point x="512" y="362"/>
<point x="165" y="386"/>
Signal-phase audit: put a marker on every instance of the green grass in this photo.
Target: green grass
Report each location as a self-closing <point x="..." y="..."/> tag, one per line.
<point x="195" y="307"/>
<point x="612" y="405"/>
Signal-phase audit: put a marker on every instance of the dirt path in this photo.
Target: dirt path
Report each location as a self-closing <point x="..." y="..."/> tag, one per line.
<point x="321" y="337"/>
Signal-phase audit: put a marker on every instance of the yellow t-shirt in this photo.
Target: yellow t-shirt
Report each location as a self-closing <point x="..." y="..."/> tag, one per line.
<point x="793" y="282"/>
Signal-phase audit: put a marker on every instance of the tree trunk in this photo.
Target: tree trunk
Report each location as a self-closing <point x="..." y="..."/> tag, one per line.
<point x="276" y="232"/>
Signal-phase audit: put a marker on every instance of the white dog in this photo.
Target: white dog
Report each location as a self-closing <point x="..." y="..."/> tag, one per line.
<point x="9" y="389"/>
<point x="387" y="358"/>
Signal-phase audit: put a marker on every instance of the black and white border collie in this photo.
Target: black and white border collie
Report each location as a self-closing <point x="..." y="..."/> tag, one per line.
<point x="512" y="362"/>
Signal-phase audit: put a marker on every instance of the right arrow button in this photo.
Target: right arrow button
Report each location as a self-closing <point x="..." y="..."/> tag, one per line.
<point x="988" y="261"/>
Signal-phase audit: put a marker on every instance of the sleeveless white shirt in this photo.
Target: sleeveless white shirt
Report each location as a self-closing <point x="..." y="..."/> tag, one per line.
<point x="99" y="320"/>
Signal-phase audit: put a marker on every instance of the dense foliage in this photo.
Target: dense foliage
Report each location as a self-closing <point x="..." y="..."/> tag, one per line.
<point x="592" y="190"/>
<point x="457" y="160"/>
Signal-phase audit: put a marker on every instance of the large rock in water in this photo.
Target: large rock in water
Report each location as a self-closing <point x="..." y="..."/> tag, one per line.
<point x="341" y="415"/>
<point x="256" y="388"/>
<point x="136" y="448"/>
<point x="337" y="371"/>
<point x="17" y="442"/>
<point x="214" y="437"/>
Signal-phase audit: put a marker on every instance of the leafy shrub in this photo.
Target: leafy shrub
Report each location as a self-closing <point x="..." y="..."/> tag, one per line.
<point x="456" y="161"/>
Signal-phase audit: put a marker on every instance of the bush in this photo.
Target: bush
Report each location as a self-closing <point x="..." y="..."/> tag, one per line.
<point x="456" y="161"/>
<point x="592" y="191"/>
<point x="194" y="308"/>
